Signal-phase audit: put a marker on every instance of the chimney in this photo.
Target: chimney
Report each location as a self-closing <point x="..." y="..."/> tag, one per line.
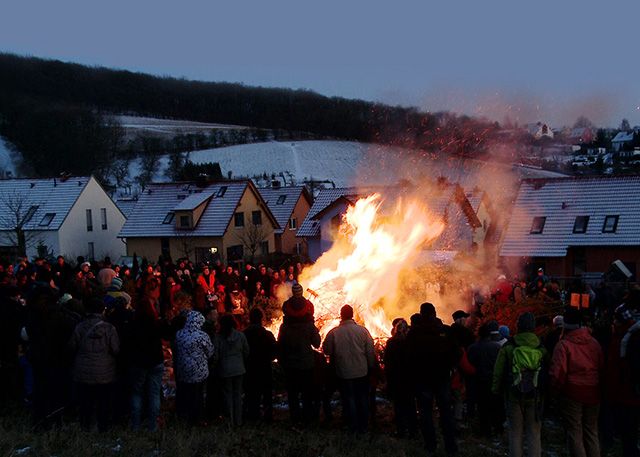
<point x="275" y="184"/>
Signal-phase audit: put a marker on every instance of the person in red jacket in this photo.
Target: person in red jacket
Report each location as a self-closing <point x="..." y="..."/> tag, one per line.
<point x="576" y="374"/>
<point x="503" y="290"/>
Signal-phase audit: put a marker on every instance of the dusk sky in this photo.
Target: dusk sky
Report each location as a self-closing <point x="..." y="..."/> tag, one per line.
<point x="543" y="60"/>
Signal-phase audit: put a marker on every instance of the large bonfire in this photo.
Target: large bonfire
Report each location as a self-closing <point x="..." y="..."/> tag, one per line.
<point x="363" y="266"/>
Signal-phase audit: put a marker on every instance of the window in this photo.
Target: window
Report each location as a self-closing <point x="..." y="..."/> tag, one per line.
<point x="281" y="200"/>
<point x="222" y="191"/>
<point x="91" y="254"/>
<point x="238" y="219"/>
<point x="235" y="253"/>
<point x="610" y="224"/>
<point x="580" y="225"/>
<point x="538" y="225"/>
<point x="29" y="214"/>
<point x="103" y="218"/>
<point x="293" y="223"/>
<point x="264" y="247"/>
<point x="89" y="221"/>
<point x="185" y="221"/>
<point x="168" y="219"/>
<point x="165" y="247"/>
<point x="46" y="220"/>
<point x="256" y="217"/>
<point x="298" y="248"/>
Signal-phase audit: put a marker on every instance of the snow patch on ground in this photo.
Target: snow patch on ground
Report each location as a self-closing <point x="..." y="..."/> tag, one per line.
<point x="7" y="161"/>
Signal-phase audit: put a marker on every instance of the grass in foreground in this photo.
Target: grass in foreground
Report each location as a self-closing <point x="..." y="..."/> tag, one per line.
<point x="275" y="440"/>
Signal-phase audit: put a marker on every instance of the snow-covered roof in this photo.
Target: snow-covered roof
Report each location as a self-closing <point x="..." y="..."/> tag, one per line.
<point x="282" y="201"/>
<point x="193" y="200"/>
<point x="158" y="200"/>
<point x="623" y="137"/>
<point x="475" y="199"/>
<point x="579" y="132"/>
<point x="561" y="201"/>
<point x="126" y="205"/>
<point x="324" y="199"/>
<point x="439" y="200"/>
<point x="45" y="203"/>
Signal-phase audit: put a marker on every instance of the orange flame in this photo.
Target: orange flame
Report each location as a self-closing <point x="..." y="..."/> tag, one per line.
<point x="363" y="266"/>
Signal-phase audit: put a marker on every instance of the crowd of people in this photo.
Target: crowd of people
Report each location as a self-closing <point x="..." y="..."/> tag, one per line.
<point x="101" y="343"/>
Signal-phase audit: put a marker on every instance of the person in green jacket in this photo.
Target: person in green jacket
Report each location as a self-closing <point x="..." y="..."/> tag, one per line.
<point x="519" y="376"/>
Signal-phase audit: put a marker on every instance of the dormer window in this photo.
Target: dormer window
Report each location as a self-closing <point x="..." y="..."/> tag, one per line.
<point x="537" y="226"/>
<point x="185" y="221"/>
<point x="610" y="224"/>
<point x="580" y="225"/>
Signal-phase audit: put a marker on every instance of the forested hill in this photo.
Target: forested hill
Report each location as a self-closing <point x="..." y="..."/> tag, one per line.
<point x="35" y="92"/>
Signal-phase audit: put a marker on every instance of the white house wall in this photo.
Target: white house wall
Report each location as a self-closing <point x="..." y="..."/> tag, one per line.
<point x="48" y="238"/>
<point x="74" y="237"/>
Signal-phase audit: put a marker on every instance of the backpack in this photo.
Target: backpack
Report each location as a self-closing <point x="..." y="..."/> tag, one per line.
<point x="525" y="370"/>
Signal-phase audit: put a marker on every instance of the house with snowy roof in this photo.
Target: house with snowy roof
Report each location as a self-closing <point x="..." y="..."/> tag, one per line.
<point x="622" y="141"/>
<point x="575" y="225"/>
<point x="289" y="205"/>
<point x="70" y="216"/>
<point x="226" y="221"/>
<point x="447" y="201"/>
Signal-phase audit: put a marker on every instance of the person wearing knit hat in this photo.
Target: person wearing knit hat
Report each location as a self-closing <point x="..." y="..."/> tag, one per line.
<point x="516" y="376"/>
<point x="298" y="307"/>
<point x="505" y="334"/>
<point x="116" y="283"/>
<point x="576" y="374"/>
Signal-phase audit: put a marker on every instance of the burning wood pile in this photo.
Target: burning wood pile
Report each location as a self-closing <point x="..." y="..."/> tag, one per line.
<point x="363" y="266"/>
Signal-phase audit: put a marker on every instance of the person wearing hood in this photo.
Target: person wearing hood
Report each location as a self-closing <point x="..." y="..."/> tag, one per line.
<point x="296" y="337"/>
<point x="433" y="353"/>
<point x="193" y="349"/>
<point x="232" y="350"/>
<point x="517" y="375"/>
<point x="576" y="373"/>
<point x="95" y="344"/>
<point x="483" y="355"/>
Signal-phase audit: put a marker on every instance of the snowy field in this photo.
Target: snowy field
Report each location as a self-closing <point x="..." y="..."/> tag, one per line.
<point x="351" y="163"/>
<point x="168" y="127"/>
<point x="7" y="161"/>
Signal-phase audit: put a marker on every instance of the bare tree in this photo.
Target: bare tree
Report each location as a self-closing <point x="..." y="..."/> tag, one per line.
<point x="16" y="211"/>
<point x="252" y="237"/>
<point x="185" y="243"/>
